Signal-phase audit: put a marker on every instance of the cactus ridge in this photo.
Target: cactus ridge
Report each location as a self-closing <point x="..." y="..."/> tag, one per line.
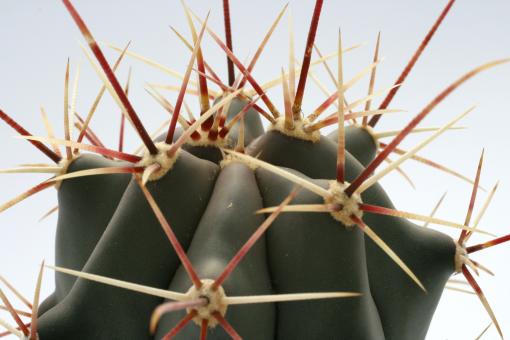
<point x="220" y="228"/>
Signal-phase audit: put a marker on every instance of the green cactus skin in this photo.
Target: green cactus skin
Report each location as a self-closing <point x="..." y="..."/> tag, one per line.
<point x="78" y="232"/>
<point x="338" y="264"/>
<point x="133" y="230"/>
<point x="225" y="225"/>
<point x="359" y="142"/>
<point x="318" y="160"/>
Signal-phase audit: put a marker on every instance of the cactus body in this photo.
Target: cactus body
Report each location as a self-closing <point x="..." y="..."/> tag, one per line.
<point x="220" y="217"/>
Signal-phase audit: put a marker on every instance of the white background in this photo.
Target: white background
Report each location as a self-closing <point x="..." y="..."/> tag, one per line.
<point x="38" y="36"/>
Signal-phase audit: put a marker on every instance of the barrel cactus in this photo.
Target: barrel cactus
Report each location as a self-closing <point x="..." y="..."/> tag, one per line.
<point x="225" y="227"/>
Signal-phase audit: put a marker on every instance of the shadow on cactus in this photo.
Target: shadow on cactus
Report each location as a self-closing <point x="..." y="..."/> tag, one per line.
<point x="222" y="229"/>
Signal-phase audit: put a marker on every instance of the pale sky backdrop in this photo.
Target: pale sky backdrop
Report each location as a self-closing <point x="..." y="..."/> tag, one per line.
<point x="38" y="36"/>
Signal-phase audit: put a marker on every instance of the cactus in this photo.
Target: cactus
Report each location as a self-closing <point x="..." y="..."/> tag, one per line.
<point x="220" y="228"/>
